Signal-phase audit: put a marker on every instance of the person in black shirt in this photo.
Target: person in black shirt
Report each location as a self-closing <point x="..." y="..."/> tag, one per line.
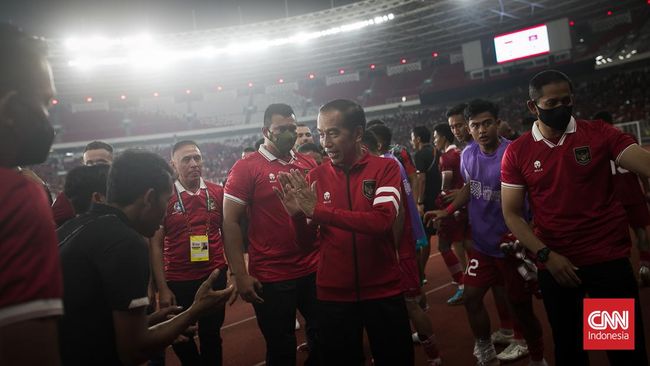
<point x="426" y="185"/>
<point x="106" y="271"/>
<point x="86" y="184"/>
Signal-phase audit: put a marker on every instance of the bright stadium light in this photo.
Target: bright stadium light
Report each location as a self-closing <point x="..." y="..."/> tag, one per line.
<point x="145" y="51"/>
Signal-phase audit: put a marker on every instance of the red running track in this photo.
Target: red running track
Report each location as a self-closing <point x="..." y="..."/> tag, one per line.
<point x="244" y="346"/>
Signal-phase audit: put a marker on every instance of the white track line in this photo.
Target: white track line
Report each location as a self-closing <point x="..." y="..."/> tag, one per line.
<point x="438" y="288"/>
<point x="237" y="323"/>
<point x="253" y="317"/>
<point x="427" y="293"/>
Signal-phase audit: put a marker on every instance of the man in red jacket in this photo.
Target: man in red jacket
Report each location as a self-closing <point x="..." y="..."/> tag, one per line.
<point x="354" y="201"/>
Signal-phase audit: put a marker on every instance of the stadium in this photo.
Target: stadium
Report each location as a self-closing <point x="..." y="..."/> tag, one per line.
<point x="207" y="71"/>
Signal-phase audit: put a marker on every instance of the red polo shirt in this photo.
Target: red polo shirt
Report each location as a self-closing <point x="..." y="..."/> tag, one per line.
<point x="178" y="225"/>
<point x="450" y="162"/>
<point x="273" y="252"/>
<point x="571" y="190"/>
<point x="626" y="184"/>
<point x="30" y="272"/>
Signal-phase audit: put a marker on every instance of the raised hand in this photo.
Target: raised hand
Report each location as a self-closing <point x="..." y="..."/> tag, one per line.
<point x="286" y="194"/>
<point x="208" y="300"/>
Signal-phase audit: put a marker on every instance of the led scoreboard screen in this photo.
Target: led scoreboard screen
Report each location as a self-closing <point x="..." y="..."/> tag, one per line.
<point x="521" y="44"/>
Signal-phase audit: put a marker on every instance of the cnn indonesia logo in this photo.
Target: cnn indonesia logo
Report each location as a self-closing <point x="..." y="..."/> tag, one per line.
<point x="608" y="324"/>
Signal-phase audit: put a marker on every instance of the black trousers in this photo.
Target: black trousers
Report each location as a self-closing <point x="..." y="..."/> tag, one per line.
<point x="209" y="326"/>
<point x="564" y="307"/>
<point x="276" y="318"/>
<point x="386" y="323"/>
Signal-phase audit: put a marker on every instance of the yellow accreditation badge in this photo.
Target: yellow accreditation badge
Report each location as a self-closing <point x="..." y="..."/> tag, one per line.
<point x="199" y="248"/>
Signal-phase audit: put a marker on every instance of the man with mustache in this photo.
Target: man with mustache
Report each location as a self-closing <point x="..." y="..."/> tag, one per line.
<point x="189" y="247"/>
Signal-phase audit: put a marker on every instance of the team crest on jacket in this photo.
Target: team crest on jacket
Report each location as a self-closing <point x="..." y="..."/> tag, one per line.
<point x="178" y="207"/>
<point x="582" y="155"/>
<point x="369" y="187"/>
<point x="211" y="204"/>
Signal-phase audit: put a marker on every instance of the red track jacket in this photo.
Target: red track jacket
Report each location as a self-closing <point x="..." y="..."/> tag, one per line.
<point x="353" y="225"/>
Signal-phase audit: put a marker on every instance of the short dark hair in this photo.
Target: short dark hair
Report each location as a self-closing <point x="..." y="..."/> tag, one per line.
<point x="21" y="55"/>
<point x="281" y="109"/>
<point x="183" y="143"/>
<point x="374" y="122"/>
<point x="249" y="149"/>
<point x="423" y="133"/>
<point x="605" y="116"/>
<point x="258" y="143"/>
<point x="456" y="110"/>
<point x="444" y="130"/>
<point x="82" y="181"/>
<point x="353" y="114"/>
<point x="309" y="147"/>
<point x="544" y="78"/>
<point x="301" y="125"/>
<point x="99" y="145"/>
<point x="383" y="133"/>
<point x="370" y="140"/>
<point x="133" y="173"/>
<point x="478" y="106"/>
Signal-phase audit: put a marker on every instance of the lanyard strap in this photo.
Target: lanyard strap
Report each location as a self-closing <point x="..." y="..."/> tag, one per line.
<point x="184" y="212"/>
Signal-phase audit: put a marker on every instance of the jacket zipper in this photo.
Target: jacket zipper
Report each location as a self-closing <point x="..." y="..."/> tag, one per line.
<point x="354" y="243"/>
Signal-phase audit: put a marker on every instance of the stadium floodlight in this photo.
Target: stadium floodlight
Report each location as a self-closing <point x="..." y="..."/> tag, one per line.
<point x="145" y="51"/>
<point x="100" y="43"/>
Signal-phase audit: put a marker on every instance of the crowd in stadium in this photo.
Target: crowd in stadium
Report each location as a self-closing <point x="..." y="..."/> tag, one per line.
<point x="142" y="249"/>
<point x="622" y="93"/>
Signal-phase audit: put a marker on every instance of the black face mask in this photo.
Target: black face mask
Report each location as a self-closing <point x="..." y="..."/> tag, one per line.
<point x="556" y="118"/>
<point x="33" y="133"/>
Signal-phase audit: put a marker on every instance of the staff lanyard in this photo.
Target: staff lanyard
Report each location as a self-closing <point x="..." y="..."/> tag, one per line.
<point x="184" y="212"/>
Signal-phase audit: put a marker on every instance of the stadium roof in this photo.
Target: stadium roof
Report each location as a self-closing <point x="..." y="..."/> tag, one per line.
<point x="418" y="29"/>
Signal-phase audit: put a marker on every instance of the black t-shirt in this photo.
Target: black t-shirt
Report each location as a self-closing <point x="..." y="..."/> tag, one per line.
<point x="425" y="161"/>
<point x="105" y="268"/>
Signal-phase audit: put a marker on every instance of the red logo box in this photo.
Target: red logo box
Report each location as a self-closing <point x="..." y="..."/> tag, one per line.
<point x="608" y="324"/>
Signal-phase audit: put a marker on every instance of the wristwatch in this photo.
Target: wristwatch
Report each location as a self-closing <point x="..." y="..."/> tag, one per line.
<point x="542" y="254"/>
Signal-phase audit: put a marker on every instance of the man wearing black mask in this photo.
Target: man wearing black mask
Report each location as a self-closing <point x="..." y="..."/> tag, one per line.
<point x="280" y="277"/>
<point x="30" y="274"/>
<point x="581" y="234"/>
